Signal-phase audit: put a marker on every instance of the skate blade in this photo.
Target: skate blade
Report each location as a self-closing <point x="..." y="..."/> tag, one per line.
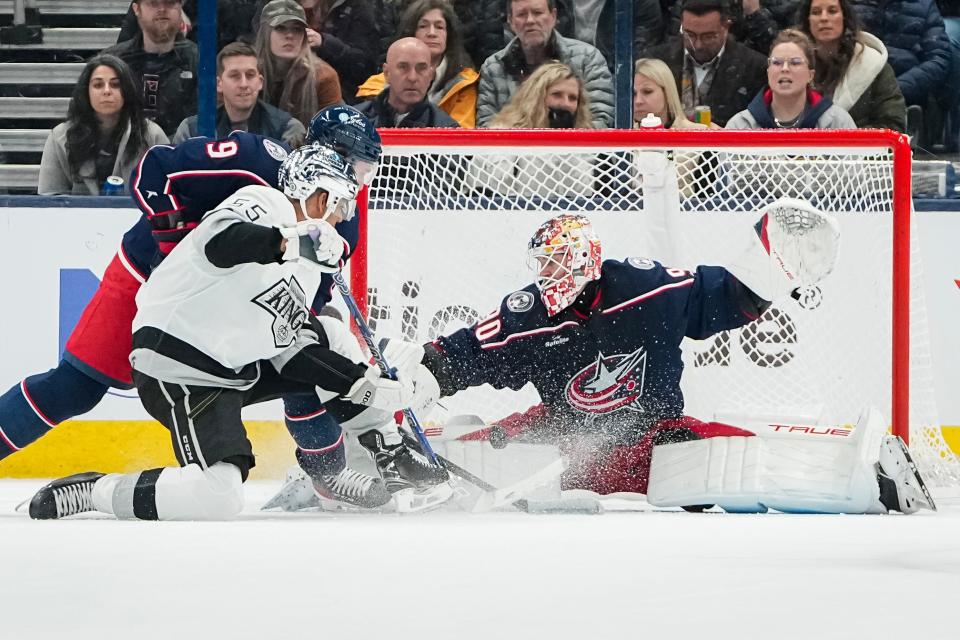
<point x="293" y="496"/>
<point x="918" y="479"/>
<point x="507" y="495"/>
<point x="412" y="501"/>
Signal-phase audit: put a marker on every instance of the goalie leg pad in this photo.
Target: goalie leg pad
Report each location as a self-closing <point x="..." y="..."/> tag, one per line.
<point x="794" y="475"/>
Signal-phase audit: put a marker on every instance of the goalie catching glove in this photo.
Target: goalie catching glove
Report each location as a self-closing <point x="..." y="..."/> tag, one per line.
<point x="316" y="241"/>
<point x="793" y="245"/>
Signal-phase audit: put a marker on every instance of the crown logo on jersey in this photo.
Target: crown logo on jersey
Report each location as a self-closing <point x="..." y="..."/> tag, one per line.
<point x="610" y="384"/>
<point x="287" y="303"/>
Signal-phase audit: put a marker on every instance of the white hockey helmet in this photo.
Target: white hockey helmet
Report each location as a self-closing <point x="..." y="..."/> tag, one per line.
<point x="313" y="168"/>
<point x="565" y="253"/>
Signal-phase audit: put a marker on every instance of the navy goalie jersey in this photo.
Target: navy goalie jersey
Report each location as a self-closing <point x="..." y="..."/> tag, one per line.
<point x="611" y="362"/>
<point x="175" y="186"/>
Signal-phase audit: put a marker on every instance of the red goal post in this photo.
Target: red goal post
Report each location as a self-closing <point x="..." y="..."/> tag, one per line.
<point x="450" y="171"/>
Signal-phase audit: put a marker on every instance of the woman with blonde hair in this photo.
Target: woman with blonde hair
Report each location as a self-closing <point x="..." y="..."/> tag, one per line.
<point x="552" y="97"/>
<point x="294" y="79"/>
<point x="655" y="91"/>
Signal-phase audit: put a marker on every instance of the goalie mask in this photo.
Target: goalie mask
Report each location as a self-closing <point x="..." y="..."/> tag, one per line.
<point x="313" y="168"/>
<point x="565" y="252"/>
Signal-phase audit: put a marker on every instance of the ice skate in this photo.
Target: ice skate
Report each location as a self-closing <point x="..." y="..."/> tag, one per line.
<point x="901" y="487"/>
<point x="65" y="497"/>
<point x="351" y="488"/>
<point x="399" y="466"/>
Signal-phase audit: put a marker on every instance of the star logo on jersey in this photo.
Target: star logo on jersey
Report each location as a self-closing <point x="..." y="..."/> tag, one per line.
<point x="609" y="384"/>
<point x="151" y="194"/>
<point x="287" y="303"/>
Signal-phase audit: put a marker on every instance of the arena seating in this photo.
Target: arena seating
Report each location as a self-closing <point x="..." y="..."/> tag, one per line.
<point x="37" y="78"/>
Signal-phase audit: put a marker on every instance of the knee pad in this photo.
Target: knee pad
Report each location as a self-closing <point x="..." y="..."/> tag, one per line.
<point x="192" y="493"/>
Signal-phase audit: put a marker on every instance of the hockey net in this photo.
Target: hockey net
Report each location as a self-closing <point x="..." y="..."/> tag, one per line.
<point x="450" y="213"/>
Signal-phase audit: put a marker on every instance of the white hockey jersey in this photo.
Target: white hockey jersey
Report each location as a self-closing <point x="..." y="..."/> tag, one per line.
<point x="200" y="324"/>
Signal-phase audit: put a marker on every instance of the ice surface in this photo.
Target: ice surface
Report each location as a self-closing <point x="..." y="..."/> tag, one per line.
<point x="495" y="576"/>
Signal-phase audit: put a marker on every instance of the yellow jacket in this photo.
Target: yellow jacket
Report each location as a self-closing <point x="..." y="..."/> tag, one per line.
<point x="459" y="99"/>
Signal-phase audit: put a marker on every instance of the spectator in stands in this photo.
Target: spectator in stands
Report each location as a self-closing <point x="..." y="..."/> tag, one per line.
<point x="344" y="33"/>
<point x="234" y="22"/>
<point x="711" y="68"/>
<point x="655" y="91"/>
<point x="590" y="21"/>
<point x="409" y="72"/>
<point x="294" y="79"/>
<point x="537" y="41"/>
<point x="454" y="88"/>
<point x="552" y="97"/>
<point x="851" y="65"/>
<point x="104" y="135"/>
<point x="917" y="44"/>
<point x="239" y="81"/>
<point x="752" y="24"/>
<point x="789" y="102"/>
<point x="388" y="14"/>
<point x="164" y="63"/>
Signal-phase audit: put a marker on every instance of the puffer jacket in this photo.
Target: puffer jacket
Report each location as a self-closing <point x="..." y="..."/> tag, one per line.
<point x="459" y="99"/>
<point x="491" y="33"/>
<point x="918" y="47"/>
<point x="503" y="72"/>
<point x="869" y="91"/>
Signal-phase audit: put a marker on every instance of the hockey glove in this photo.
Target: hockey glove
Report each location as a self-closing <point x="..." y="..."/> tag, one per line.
<point x="316" y="241"/>
<point x="400" y="354"/>
<point x="793" y="245"/>
<point x="378" y="392"/>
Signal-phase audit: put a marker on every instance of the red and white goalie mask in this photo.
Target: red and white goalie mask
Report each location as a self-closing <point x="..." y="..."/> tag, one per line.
<point x="565" y="252"/>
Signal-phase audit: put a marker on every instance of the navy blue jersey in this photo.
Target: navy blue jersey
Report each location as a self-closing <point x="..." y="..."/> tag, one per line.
<point x="611" y="363"/>
<point x="175" y="186"/>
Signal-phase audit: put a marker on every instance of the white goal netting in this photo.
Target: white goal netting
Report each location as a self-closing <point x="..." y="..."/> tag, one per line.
<point x="448" y="227"/>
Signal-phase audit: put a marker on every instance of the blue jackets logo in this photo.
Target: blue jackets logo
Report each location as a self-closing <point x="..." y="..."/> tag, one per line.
<point x="610" y="384"/>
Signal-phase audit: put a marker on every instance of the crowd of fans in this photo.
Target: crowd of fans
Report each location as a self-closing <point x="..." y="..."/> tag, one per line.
<point x="542" y="63"/>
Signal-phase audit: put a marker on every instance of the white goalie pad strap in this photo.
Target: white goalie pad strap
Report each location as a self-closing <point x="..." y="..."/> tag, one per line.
<point x="753" y="474"/>
<point x="793" y="245"/>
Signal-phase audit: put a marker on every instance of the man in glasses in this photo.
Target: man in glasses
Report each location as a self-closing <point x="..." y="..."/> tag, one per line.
<point x="710" y="68"/>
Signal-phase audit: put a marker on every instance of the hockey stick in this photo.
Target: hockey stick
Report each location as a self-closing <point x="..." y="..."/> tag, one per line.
<point x="384" y="366"/>
<point x="423" y="445"/>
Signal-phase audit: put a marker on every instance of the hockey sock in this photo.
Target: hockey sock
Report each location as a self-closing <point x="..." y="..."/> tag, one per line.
<point x="318" y="436"/>
<point x="38" y="403"/>
<point x="172" y="493"/>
